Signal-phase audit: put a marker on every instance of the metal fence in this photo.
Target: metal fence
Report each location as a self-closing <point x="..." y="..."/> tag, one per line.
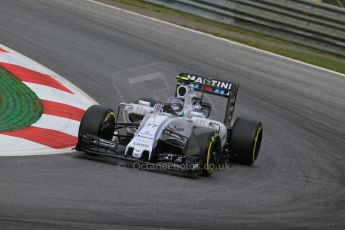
<point x="314" y="24"/>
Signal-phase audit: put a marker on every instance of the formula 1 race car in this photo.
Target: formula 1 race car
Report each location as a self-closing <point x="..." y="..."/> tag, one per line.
<point x="176" y="134"/>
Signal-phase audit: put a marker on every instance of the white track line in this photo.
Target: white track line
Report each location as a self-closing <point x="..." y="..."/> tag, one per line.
<point x="14" y="147"/>
<point x="58" y="124"/>
<point x="51" y="94"/>
<point x="12" y="58"/>
<point x="215" y="37"/>
<point x="16" y="143"/>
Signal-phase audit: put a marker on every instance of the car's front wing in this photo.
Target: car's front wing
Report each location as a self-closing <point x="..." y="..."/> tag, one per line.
<point x="97" y="146"/>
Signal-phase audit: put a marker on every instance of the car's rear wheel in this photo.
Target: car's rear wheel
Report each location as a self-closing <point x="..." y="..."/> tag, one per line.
<point x="210" y="150"/>
<point x="98" y="121"/>
<point x="245" y="140"/>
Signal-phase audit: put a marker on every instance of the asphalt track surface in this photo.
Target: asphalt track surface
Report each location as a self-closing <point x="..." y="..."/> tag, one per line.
<point x="297" y="182"/>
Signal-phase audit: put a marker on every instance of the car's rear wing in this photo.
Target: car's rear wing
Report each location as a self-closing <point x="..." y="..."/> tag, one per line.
<point x="210" y="86"/>
<point x="213" y="87"/>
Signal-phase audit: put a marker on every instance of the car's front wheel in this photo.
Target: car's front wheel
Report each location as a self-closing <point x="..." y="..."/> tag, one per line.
<point x="98" y="121"/>
<point x="210" y="150"/>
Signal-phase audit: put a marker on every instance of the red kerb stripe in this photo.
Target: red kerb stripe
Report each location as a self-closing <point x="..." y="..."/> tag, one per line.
<point x="3" y="50"/>
<point x="28" y="75"/>
<point x="53" y="139"/>
<point x="62" y="110"/>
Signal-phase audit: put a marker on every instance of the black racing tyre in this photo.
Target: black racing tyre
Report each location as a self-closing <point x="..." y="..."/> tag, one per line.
<point x="98" y="121"/>
<point x="210" y="151"/>
<point x="245" y="140"/>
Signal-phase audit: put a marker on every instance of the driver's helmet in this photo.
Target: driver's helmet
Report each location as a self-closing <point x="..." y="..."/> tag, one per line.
<point x="175" y="103"/>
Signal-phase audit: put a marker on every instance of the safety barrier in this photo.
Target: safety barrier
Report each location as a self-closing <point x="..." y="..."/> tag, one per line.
<point x="314" y="24"/>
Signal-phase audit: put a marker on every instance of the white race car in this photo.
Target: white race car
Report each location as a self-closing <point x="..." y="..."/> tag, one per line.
<point x="176" y="134"/>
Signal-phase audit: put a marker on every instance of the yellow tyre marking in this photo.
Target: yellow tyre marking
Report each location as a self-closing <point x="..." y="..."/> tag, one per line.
<point x="213" y="140"/>
<point x="108" y="116"/>
<point x="259" y="130"/>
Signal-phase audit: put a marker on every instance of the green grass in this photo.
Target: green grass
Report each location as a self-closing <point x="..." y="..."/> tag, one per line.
<point x="19" y="106"/>
<point x="265" y="42"/>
